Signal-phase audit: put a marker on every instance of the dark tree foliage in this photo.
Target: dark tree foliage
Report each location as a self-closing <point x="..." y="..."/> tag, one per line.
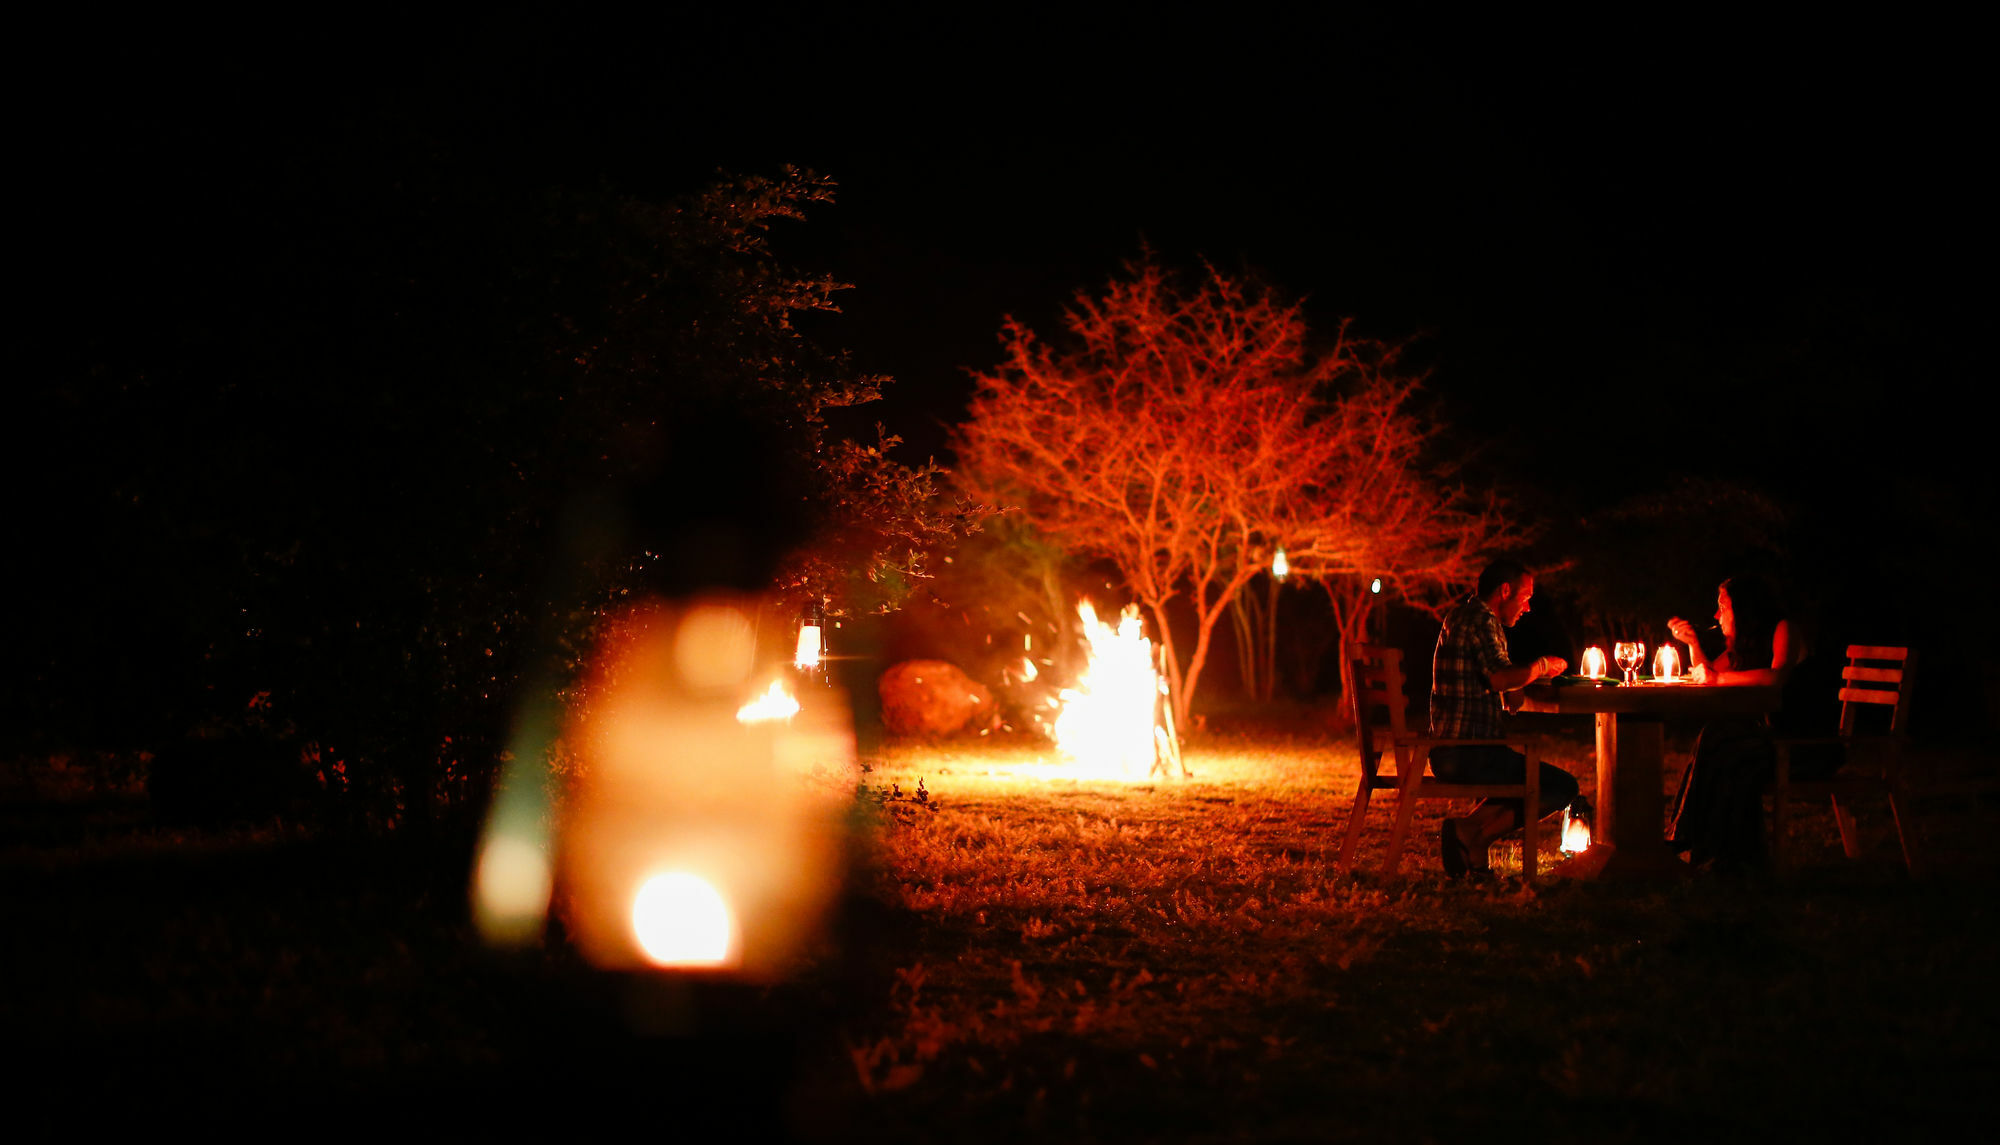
<point x="1630" y="566"/>
<point x="384" y="434"/>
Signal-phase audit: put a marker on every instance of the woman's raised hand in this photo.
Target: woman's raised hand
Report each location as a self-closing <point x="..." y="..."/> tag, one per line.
<point x="1683" y="631"/>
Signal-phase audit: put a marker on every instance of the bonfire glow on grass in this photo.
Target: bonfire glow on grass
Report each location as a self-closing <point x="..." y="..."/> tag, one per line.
<point x="1108" y="724"/>
<point x="1196" y="935"/>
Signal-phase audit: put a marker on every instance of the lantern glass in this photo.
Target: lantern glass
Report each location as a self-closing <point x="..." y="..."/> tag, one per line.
<point x="1593" y="662"/>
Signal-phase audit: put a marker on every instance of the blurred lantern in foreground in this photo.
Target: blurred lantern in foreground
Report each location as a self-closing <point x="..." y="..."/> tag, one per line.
<point x="1593" y="662"/>
<point x="1576" y="827"/>
<point x="1280" y="567"/>
<point x="1667" y="664"/>
<point x="1111" y="722"/>
<point x="703" y="829"/>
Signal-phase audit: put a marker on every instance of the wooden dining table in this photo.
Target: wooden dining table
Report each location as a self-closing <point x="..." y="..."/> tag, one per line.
<point x="1628" y="828"/>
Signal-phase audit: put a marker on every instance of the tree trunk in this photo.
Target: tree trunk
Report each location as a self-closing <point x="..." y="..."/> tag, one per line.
<point x="1247" y="615"/>
<point x="1256" y="628"/>
<point x="1350" y="617"/>
<point x="1269" y="674"/>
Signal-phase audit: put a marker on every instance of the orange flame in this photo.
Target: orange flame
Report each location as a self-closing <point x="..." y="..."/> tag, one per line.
<point x="1593" y="662"/>
<point x="775" y="704"/>
<point x="1107" y="723"/>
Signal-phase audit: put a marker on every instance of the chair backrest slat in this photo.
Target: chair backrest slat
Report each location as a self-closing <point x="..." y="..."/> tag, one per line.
<point x="1897" y="698"/>
<point x="1866" y="696"/>
<point x="1873" y="675"/>
<point x="1377" y="680"/>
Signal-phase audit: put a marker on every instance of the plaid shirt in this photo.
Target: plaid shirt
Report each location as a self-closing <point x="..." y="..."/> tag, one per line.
<point x="1471" y="645"/>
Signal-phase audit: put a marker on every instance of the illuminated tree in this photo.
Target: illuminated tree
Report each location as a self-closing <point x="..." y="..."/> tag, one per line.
<point x="1185" y="431"/>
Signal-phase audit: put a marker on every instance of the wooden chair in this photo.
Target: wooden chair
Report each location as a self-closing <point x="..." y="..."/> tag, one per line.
<point x="1884" y="684"/>
<point x="1377" y="682"/>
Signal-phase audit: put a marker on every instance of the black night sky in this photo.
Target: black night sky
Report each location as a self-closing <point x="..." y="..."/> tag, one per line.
<point x="1627" y="255"/>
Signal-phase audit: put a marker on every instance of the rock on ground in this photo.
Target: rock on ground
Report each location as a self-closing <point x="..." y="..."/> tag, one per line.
<point x="931" y="698"/>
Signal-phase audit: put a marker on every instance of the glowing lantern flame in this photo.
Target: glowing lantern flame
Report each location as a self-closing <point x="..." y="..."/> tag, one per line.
<point x="1576" y="833"/>
<point x="681" y="920"/>
<point x="807" y="656"/>
<point x="1107" y="721"/>
<point x="1375" y="586"/>
<point x="1279" y="565"/>
<point x="1593" y="662"/>
<point x="774" y="704"/>
<point x="1667" y="664"/>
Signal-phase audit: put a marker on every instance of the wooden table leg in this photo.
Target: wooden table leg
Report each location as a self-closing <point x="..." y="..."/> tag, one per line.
<point x="1631" y="806"/>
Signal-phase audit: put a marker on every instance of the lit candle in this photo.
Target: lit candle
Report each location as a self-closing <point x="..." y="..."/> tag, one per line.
<point x="1667" y="664"/>
<point x="1593" y="662"/>
<point x="1576" y="832"/>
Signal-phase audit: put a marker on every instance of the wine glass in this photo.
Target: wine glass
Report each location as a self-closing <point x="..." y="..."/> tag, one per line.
<point x="1629" y="654"/>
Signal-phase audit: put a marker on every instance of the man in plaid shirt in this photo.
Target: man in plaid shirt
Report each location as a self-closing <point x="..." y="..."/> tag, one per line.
<point x="1473" y="682"/>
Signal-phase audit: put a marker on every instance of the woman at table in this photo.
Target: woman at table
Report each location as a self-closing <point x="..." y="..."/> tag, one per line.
<point x="1719" y="814"/>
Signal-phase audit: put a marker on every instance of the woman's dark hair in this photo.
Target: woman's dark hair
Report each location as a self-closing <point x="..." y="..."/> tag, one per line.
<point x="1758" y="611"/>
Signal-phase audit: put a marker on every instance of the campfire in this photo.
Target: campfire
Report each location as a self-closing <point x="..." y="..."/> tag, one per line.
<point x="1113" y="723"/>
<point x="775" y="704"/>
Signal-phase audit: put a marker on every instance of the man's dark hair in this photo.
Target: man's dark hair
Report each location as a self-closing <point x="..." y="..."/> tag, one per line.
<point x="1503" y="571"/>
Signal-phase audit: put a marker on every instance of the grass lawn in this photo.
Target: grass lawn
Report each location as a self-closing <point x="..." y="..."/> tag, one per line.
<point x="1023" y="954"/>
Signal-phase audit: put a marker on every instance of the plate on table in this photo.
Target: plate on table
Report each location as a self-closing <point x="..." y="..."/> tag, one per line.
<point x="1585" y="682"/>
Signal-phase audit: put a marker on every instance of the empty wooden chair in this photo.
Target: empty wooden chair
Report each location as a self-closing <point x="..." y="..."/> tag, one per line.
<point x="1377" y="683"/>
<point x="1875" y="678"/>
